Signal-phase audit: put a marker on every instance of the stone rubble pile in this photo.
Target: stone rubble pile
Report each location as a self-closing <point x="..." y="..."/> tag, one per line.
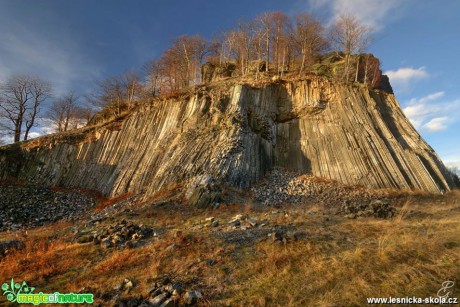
<point x="378" y="209"/>
<point x="244" y="222"/>
<point x="30" y="206"/>
<point x="164" y="292"/>
<point x="122" y="234"/>
<point x="281" y="186"/>
<point x="243" y="229"/>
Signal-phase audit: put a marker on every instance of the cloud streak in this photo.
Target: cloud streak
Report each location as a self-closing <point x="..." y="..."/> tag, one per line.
<point x="402" y="78"/>
<point x="437" y="124"/>
<point x="430" y="114"/>
<point x="371" y="12"/>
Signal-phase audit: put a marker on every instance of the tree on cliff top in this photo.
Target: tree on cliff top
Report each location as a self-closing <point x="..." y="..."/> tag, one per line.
<point x="67" y="113"/>
<point x="350" y="36"/>
<point x="308" y="38"/>
<point x="21" y="97"/>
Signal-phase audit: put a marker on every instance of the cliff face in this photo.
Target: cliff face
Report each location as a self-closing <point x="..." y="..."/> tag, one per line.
<point x="343" y="132"/>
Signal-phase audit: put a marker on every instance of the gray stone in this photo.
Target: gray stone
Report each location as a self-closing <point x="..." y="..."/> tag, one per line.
<point x="159" y="299"/>
<point x="276" y="236"/>
<point x="168" y="303"/>
<point x="192" y="297"/>
<point x="86" y="238"/>
<point x="252" y="222"/>
<point x="107" y="243"/>
<point x="235" y="223"/>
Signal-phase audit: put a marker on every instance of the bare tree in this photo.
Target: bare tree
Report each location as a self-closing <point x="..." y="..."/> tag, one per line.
<point x="243" y="41"/>
<point x="350" y="36"/>
<point x="190" y="51"/>
<point x="21" y="98"/>
<point x="64" y="112"/>
<point x="308" y="38"/>
<point x="267" y="22"/>
<point x="130" y="82"/>
<point x="281" y="24"/>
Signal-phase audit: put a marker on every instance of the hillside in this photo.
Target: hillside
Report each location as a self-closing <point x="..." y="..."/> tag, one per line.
<point x="290" y="241"/>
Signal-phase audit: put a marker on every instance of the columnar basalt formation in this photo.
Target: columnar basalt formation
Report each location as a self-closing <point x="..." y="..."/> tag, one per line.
<point x="236" y="133"/>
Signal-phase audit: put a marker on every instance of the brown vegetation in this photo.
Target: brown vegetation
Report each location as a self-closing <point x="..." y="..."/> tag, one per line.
<point x="341" y="262"/>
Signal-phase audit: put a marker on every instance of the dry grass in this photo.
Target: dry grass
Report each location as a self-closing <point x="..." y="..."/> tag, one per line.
<point x="410" y="255"/>
<point x="118" y="261"/>
<point x="106" y="202"/>
<point x="41" y="259"/>
<point x="400" y="257"/>
<point x="168" y="192"/>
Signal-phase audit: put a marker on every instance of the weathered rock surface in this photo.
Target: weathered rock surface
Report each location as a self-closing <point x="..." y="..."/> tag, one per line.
<point x="211" y="72"/>
<point x="348" y="133"/>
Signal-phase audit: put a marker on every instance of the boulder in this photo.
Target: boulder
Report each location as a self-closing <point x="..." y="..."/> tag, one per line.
<point x="203" y="191"/>
<point x="212" y="72"/>
<point x="257" y="66"/>
<point x="192" y="297"/>
<point x="207" y="72"/>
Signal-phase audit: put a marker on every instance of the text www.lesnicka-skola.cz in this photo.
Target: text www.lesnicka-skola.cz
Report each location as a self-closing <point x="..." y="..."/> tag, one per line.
<point x="412" y="300"/>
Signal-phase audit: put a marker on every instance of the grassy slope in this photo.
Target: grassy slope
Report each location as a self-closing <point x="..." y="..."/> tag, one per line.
<point x="341" y="261"/>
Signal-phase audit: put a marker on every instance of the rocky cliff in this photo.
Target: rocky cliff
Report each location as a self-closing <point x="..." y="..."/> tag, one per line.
<point x="237" y="133"/>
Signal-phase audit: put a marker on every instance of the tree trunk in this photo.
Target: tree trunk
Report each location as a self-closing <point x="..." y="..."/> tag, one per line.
<point x="303" y="62"/>
<point x="347" y="65"/>
<point x="366" y="67"/>
<point x="358" y="57"/>
<point x="17" y="131"/>
<point x="268" y="52"/>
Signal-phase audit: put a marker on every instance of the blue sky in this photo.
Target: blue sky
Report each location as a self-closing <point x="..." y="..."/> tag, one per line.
<point x="73" y="44"/>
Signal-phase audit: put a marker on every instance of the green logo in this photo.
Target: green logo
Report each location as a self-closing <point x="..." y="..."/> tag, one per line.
<point x="13" y="289"/>
<point x="22" y="293"/>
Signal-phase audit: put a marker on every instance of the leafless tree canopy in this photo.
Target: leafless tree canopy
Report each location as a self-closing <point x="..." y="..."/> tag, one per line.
<point x="351" y="37"/>
<point x="120" y="92"/>
<point x="21" y="98"/>
<point x="66" y="112"/>
<point x="274" y="40"/>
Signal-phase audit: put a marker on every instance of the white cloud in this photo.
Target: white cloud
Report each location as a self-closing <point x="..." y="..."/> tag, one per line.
<point x="406" y="74"/>
<point x="417" y="109"/>
<point x="428" y="98"/>
<point x="452" y="162"/>
<point x="401" y="78"/>
<point x="436" y="124"/>
<point x="45" y="126"/>
<point x="33" y="135"/>
<point x="371" y="12"/>
<point x="430" y="114"/>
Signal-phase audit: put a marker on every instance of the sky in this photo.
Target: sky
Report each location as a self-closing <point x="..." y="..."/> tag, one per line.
<point x="74" y="44"/>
